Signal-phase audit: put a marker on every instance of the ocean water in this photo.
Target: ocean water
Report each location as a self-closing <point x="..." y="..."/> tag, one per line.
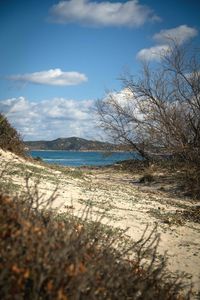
<point x="77" y="158"/>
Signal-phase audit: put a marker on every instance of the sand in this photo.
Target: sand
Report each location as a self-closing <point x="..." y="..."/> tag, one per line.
<point x="125" y="204"/>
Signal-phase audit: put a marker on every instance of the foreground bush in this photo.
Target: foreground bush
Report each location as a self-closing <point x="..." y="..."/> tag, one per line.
<point x="9" y="138"/>
<point x="46" y="256"/>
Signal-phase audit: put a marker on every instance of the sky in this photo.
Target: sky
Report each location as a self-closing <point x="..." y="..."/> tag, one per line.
<point x="58" y="57"/>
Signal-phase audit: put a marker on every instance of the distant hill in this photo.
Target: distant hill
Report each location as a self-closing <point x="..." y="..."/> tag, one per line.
<point x="71" y="144"/>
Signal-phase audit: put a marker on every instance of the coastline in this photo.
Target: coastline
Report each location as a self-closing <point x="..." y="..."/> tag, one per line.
<point x="103" y="151"/>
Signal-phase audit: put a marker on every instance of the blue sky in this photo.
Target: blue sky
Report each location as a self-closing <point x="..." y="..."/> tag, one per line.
<point x="58" y="57"/>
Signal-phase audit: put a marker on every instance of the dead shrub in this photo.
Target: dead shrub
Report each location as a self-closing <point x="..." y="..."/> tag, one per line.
<point x="190" y="180"/>
<point x="49" y="256"/>
<point x="146" y="178"/>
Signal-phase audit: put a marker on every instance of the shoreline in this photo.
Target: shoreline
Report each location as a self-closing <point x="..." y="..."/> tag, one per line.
<point x="94" y="151"/>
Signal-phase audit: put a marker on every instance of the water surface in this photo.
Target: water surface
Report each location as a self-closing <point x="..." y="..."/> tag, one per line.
<point x="77" y="158"/>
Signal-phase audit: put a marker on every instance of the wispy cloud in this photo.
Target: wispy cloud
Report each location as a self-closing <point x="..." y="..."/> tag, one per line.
<point x="51" y="77"/>
<point x="49" y="119"/>
<point x="93" y="13"/>
<point x="180" y="34"/>
<point x="164" y="38"/>
<point x="153" y="53"/>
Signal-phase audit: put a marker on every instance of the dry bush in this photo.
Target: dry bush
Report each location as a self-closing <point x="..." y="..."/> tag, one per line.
<point x="132" y="165"/>
<point x="147" y="178"/>
<point x="158" y="112"/>
<point x="9" y="138"/>
<point x="189" y="178"/>
<point x="49" y="256"/>
<point x="185" y="173"/>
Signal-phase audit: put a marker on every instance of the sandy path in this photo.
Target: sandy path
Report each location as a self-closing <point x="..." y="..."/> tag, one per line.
<point x="125" y="205"/>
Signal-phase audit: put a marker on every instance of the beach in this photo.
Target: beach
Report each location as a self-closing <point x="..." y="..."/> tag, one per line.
<point x="124" y="203"/>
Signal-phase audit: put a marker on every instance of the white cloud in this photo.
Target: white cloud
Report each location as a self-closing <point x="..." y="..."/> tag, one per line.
<point x="127" y="100"/>
<point x="51" y="77"/>
<point x="165" y="38"/>
<point x="130" y="13"/>
<point x="50" y="119"/>
<point x="123" y="97"/>
<point x="180" y="34"/>
<point x="153" y="53"/>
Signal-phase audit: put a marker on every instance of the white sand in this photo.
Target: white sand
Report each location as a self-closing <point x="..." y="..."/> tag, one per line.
<point x="126" y="205"/>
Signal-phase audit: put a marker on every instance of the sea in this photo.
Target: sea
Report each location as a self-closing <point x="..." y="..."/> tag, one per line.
<point x="79" y="158"/>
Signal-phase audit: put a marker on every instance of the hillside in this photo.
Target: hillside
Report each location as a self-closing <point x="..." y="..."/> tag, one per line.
<point x="70" y="144"/>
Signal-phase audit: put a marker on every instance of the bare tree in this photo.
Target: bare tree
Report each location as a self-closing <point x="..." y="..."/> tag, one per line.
<point x="160" y="109"/>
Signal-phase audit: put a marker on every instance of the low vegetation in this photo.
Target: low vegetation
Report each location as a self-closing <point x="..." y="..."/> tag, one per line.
<point x="49" y="256"/>
<point x="184" y="175"/>
<point x="9" y="137"/>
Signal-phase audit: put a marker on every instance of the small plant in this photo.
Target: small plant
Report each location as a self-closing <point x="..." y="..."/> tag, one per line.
<point x="38" y="158"/>
<point x="75" y="173"/>
<point x="147" y="178"/>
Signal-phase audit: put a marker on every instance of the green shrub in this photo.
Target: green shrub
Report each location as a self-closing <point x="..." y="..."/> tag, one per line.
<point x="9" y="137"/>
